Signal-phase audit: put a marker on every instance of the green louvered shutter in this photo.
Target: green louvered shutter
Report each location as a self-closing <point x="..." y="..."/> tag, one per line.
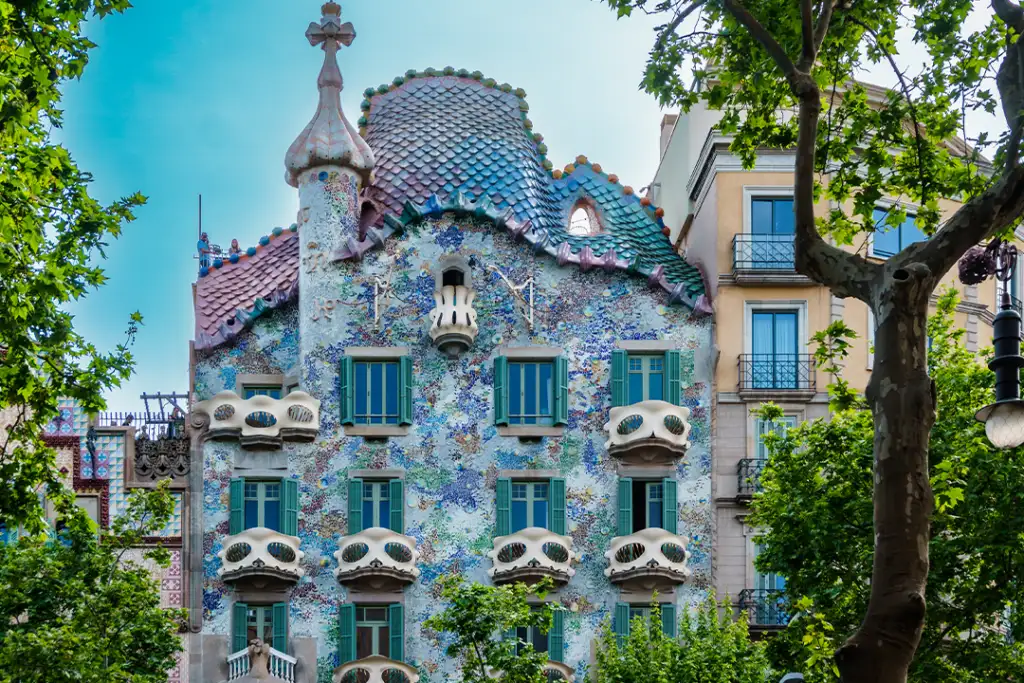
<point x="289" y="508"/>
<point x="347" y="386"/>
<point x="620" y="623"/>
<point x="503" y="495"/>
<point x="501" y="390"/>
<point x="620" y="364"/>
<point x="556" y="637"/>
<point x="236" y="493"/>
<point x="670" y="506"/>
<point x="396" y="626"/>
<point x="239" y="627"/>
<point x="396" y="499"/>
<point x="668" y="619"/>
<point x="673" y="378"/>
<point x="556" y="510"/>
<point x="279" y="621"/>
<point x="355" y="506"/>
<point x="405" y="387"/>
<point x="625" y="506"/>
<point x="510" y="635"/>
<point x="561" y="390"/>
<point x="346" y="633"/>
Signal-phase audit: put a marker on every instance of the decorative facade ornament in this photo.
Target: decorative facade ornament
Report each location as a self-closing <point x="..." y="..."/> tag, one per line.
<point x="163" y="458"/>
<point x="524" y="302"/>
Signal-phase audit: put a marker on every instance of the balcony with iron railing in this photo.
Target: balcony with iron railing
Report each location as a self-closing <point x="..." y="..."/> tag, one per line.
<point x="375" y="669"/>
<point x="262" y="421"/>
<point x="261" y="558"/>
<point x="530" y="555"/>
<point x="258" y="661"/>
<point x="765" y="608"/>
<point x="771" y="376"/>
<point x="156" y="446"/>
<point x="648" y="433"/>
<point x="377" y="559"/>
<point x="748" y="475"/>
<point x="760" y="259"/>
<point x="651" y="559"/>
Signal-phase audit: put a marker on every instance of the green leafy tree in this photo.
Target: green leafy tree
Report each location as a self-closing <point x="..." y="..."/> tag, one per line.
<point x="51" y="231"/>
<point x="477" y="619"/>
<point x="784" y="74"/>
<point x="710" y="646"/>
<point x="78" y="608"/>
<point x="817" y="515"/>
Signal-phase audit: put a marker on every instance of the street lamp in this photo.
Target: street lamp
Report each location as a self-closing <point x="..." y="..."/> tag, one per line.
<point x="1004" y="419"/>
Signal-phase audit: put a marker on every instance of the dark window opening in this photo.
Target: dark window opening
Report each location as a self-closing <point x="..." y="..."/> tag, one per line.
<point x="648" y="505"/>
<point x="453" y="277"/>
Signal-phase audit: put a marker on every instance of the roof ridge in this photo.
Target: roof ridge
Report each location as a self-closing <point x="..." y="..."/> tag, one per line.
<point x="220" y="261"/>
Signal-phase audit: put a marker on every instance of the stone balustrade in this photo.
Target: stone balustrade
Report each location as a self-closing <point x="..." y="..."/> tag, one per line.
<point x="377" y="559"/>
<point x="262" y="421"/>
<point x="375" y="669"/>
<point x="278" y="664"/>
<point x="649" y="432"/>
<point x="530" y="555"/>
<point x="260" y="555"/>
<point x="453" y="320"/>
<point x="650" y="559"/>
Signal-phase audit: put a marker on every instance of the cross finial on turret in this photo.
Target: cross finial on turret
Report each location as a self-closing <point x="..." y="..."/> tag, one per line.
<point x="330" y="28"/>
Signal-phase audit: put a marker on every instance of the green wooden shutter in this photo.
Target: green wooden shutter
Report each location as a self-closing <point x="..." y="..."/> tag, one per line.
<point x="620" y="364"/>
<point x="347" y="387"/>
<point x="396" y="498"/>
<point x="346" y="633"/>
<point x="396" y="626"/>
<point x="289" y="508"/>
<point x="239" y="627"/>
<point x="504" y="508"/>
<point x="556" y="506"/>
<point x="620" y="623"/>
<point x="625" y="506"/>
<point x="561" y="390"/>
<point x="668" y="619"/>
<point x="501" y="390"/>
<point x="556" y="637"/>
<point x="669" y="506"/>
<point x="673" y="378"/>
<point x="279" y="623"/>
<point x="405" y="387"/>
<point x="236" y="493"/>
<point x="355" y="506"/>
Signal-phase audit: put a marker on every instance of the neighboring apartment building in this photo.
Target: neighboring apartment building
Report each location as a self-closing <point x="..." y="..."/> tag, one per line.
<point x="736" y="226"/>
<point x="456" y="361"/>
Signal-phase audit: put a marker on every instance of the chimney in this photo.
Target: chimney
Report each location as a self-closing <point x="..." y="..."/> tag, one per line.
<point x="668" y="124"/>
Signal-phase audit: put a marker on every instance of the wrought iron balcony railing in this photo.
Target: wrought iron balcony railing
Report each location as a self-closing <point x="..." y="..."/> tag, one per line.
<point x="531" y="554"/>
<point x="748" y="474"/>
<point x="649" y="559"/>
<point x="763" y="252"/>
<point x="776" y="372"/>
<point x="375" y="669"/>
<point x="278" y="663"/>
<point x="648" y="432"/>
<point x="377" y="558"/>
<point x="764" y="606"/>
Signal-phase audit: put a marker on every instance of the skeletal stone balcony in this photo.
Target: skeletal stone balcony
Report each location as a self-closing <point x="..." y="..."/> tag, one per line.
<point x="261" y="558"/>
<point x="375" y="669"/>
<point x="651" y="559"/>
<point x="530" y="555"/>
<point x="557" y="671"/>
<point x="377" y="559"/>
<point x="648" y="433"/>
<point x="278" y="665"/>
<point x="262" y="421"/>
<point x="453" y="319"/>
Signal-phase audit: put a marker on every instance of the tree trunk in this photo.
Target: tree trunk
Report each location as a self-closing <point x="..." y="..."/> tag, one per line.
<point x="902" y="400"/>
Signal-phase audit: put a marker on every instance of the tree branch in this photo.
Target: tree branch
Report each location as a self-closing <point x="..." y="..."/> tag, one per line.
<point x="767" y="40"/>
<point x="1010" y="78"/>
<point x="807" y="34"/>
<point x="674" y="24"/>
<point x="821" y="28"/>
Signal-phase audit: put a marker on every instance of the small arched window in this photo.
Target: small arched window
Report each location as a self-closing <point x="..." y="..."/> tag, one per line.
<point x="583" y="220"/>
<point x="453" y="277"/>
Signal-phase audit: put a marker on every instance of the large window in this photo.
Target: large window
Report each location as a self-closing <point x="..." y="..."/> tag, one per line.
<point x="376" y="504"/>
<point x="889" y="240"/>
<point x="531" y="393"/>
<point x="625" y="614"/>
<point x="774" y="349"/>
<point x="268" y="623"/>
<point x="263" y="504"/>
<point x="771" y="427"/>
<point x="367" y="630"/>
<point x="529" y="505"/>
<point x="271" y="391"/>
<point x="772" y="216"/>
<point x="373" y="631"/>
<point x="552" y="642"/>
<point x="271" y="504"/>
<point x="644" y="376"/>
<point x="376" y="391"/>
<point x="647" y="504"/>
<point x="525" y="504"/>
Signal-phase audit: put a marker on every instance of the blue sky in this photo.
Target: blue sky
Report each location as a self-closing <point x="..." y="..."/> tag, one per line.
<point x="184" y="97"/>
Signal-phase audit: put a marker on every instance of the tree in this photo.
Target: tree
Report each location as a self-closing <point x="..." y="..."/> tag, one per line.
<point x="709" y="646"/>
<point x="84" y="609"/>
<point x="816" y="512"/>
<point x="51" y="230"/>
<point x="478" y="618"/>
<point x="759" y="61"/>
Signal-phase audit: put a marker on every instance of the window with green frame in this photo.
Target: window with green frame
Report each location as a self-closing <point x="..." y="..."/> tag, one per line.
<point x="552" y="642"/>
<point x="376" y="391"/>
<point x="625" y="614"/>
<point x="646" y="505"/>
<point x="529" y="504"/>
<point x="531" y="392"/>
<point x="379" y="503"/>
<point x="638" y="377"/>
<point x="367" y="630"/>
<point x="523" y="504"/>
<point x="270" y="503"/>
<point x="269" y="623"/>
<point x="249" y="391"/>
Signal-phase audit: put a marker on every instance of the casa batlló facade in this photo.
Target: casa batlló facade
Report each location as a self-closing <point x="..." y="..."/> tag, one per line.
<point x="456" y="361"/>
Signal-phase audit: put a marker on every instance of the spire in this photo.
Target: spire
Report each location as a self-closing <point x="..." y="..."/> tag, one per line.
<point x="329" y="139"/>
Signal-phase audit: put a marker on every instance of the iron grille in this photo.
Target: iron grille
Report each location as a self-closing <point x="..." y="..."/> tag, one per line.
<point x="764" y="606"/>
<point x="749" y="474"/>
<point x="763" y="252"/>
<point x="776" y="372"/>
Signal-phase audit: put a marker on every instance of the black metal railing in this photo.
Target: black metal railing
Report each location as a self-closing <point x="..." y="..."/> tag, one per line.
<point x="147" y="425"/>
<point x="749" y="474"/>
<point x="764" y="606"/>
<point x="776" y="372"/>
<point x="762" y="252"/>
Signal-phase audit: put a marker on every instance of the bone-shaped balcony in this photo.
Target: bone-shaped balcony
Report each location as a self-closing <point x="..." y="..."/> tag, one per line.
<point x="375" y="669"/>
<point x="530" y="555"/>
<point x="377" y="559"/>
<point x="648" y="433"/>
<point x="453" y="319"/>
<point x="557" y="671"/>
<point x="261" y="558"/>
<point x="262" y="421"/>
<point x="651" y="559"/>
